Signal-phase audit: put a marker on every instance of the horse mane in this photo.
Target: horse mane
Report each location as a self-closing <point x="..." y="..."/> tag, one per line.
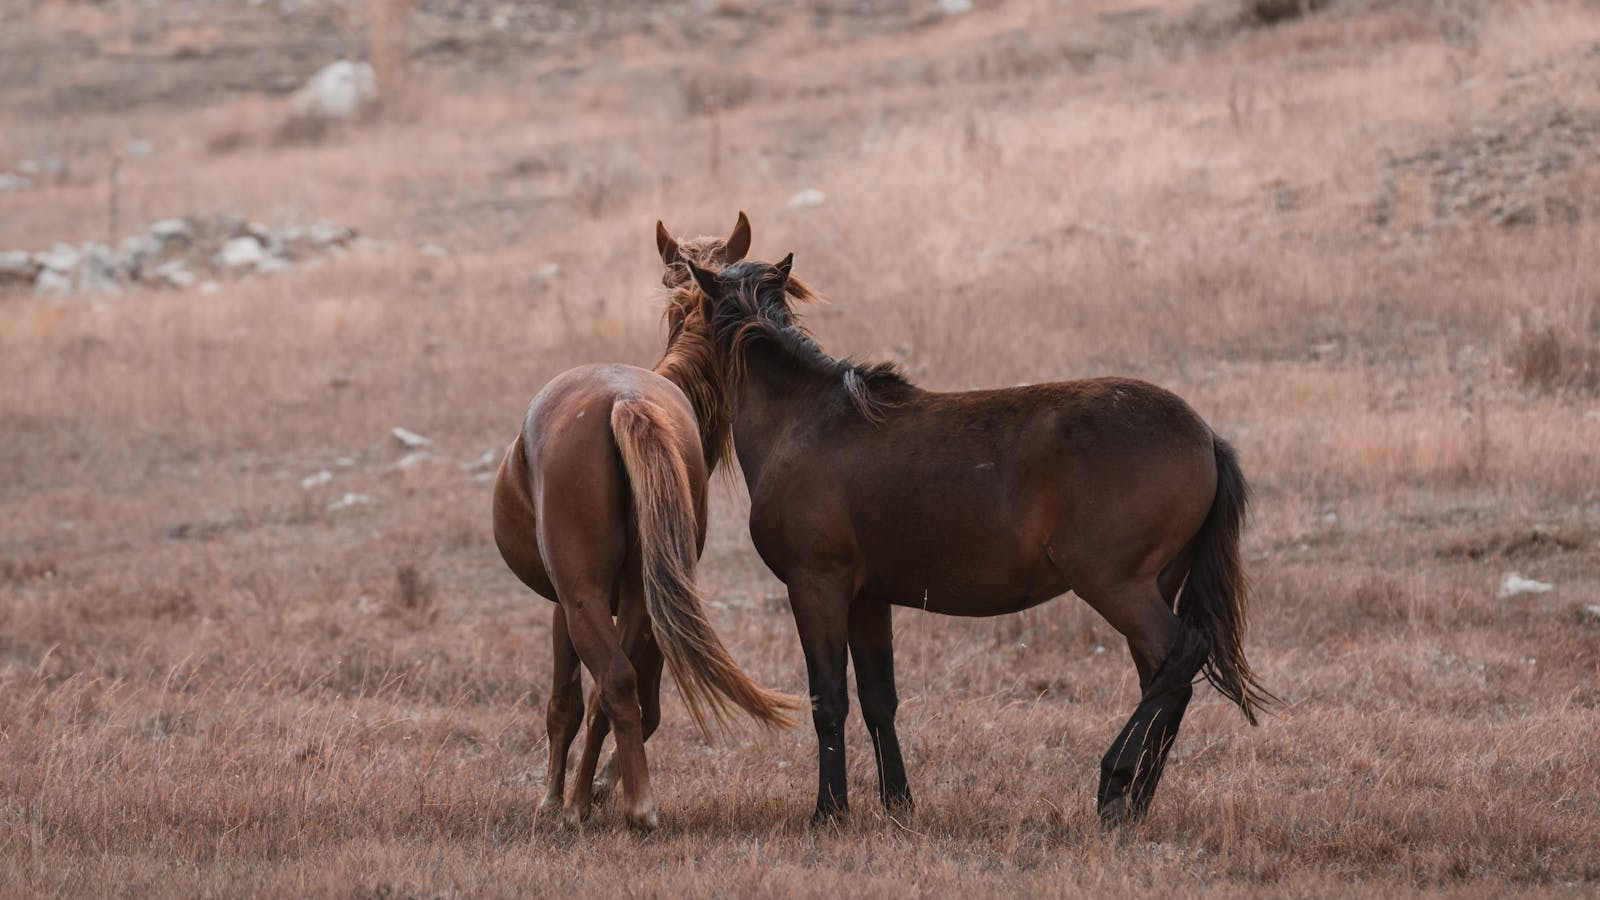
<point x="691" y="360"/>
<point x="758" y="310"/>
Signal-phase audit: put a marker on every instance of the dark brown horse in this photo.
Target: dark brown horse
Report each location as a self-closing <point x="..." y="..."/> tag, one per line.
<point x="600" y="505"/>
<point x="868" y="492"/>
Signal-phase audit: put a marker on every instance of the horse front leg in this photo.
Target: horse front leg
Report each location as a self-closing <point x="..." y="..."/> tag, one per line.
<point x="872" y="654"/>
<point x="821" y="615"/>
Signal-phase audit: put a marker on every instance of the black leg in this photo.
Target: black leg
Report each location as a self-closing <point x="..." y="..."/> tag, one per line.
<point x="821" y="616"/>
<point x="1132" y="767"/>
<point x="872" y="654"/>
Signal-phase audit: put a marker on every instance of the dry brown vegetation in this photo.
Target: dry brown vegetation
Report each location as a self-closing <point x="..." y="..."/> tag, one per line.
<point x="1362" y="242"/>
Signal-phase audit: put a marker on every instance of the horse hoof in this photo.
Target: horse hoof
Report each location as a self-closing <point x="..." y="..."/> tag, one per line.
<point x="646" y="820"/>
<point x="572" y="817"/>
<point x="1117" y="811"/>
<point x="823" y="818"/>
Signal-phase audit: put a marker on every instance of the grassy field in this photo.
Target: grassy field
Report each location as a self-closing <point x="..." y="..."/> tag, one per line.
<point x="1363" y="243"/>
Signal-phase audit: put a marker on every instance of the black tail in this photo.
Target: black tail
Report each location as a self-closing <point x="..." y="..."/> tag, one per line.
<point x="1216" y="596"/>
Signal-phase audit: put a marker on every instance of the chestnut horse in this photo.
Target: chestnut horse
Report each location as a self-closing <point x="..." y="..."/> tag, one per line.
<point x="600" y="505"/>
<point x="868" y="492"/>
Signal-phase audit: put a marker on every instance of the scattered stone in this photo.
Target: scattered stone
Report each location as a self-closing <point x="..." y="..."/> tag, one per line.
<point x="1515" y="585"/>
<point x="60" y="258"/>
<point x="409" y="439"/>
<point x="139" y="149"/>
<point x="489" y="458"/>
<point x="955" y="7"/>
<point x="413" y="458"/>
<point x="10" y="182"/>
<point x="179" y="253"/>
<point x="50" y="166"/>
<point x="317" y="480"/>
<point x="17" y="268"/>
<point x="273" y="264"/>
<point x="52" y="282"/>
<point x="548" y="271"/>
<point x="210" y="288"/>
<point x="97" y="273"/>
<point x="170" y="231"/>
<point x="338" y="91"/>
<point x="349" y="500"/>
<point x="435" y="251"/>
<point x="807" y="197"/>
<point x="240" y="253"/>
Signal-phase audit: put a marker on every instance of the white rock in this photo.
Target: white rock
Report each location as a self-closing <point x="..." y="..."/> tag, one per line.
<point x="1593" y="609"/>
<point x="138" y="149"/>
<point x="175" y="272"/>
<point x="52" y="282"/>
<point x="134" y="251"/>
<point x="60" y="258"/>
<point x="435" y="251"/>
<point x="409" y="438"/>
<point x="1515" y="585"/>
<point x="324" y="234"/>
<point x="317" y="480"/>
<point x="349" y="500"/>
<point x="548" y="271"/>
<point x="18" y="267"/>
<point x="169" y="231"/>
<point x="50" y="165"/>
<point x="98" y="272"/>
<point x="210" y="288"/>
<point x="807" y="197"/>
<point x="955" y="7"/>
<point x="240" y="253"/>
<point x="339" y="91"/>
<point x="10" y="182"/>
<point x="413" y="458"/>
<point x="489" y="458"/>
<point x="274" y="264"/>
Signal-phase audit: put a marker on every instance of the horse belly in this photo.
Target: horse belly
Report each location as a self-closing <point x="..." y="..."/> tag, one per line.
<point x="973" y="584"/>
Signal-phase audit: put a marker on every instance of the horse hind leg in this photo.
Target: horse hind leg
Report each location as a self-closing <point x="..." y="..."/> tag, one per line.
<point x="563" y="714"/>
<point x="1167" y="655"/>
<point x="647" y="662"/>
<point x="599" y="645"/>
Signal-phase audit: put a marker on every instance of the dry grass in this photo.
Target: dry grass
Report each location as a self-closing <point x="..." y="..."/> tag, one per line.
<point x="213" y="681"/>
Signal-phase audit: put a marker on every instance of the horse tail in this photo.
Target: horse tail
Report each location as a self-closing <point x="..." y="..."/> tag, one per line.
<point x="1216" y="596"/>
<point x="707" y="676"/>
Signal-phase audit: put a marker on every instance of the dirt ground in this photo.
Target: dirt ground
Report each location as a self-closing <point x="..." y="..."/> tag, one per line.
<point x="1361" y="242"/>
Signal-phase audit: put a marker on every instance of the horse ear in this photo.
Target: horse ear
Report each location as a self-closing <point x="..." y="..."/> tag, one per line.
<point x="706" y="280"/>
<point x="665" y="245"/>
<point x="738" y="243"/>
<point x="784" y="265"/>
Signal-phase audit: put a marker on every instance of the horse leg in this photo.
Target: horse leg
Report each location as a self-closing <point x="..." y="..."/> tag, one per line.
<point x="595" y="636"/>
<point x="872" y="653"/>
<point x="1167" y="656"/>
<point x="563" y="714"/>
<point x="594" y="739"/>
<point x="821" y="615"/>
<point x="645" y="654"/>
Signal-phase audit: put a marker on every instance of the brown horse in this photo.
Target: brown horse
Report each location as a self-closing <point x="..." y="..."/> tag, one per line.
<point x="600" y="505"/>
<point x="868" y="492"/>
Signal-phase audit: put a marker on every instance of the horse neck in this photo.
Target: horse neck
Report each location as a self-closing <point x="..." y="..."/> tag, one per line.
<point x="771" y="391"/>
<point x="691" y="364"/>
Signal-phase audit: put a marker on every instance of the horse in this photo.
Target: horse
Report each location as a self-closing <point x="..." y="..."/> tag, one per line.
<point x="868" y="492"/>
<point x="600" y="505"/>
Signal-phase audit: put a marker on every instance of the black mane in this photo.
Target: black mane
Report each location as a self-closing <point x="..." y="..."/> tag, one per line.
<point x="754" y="306"/>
